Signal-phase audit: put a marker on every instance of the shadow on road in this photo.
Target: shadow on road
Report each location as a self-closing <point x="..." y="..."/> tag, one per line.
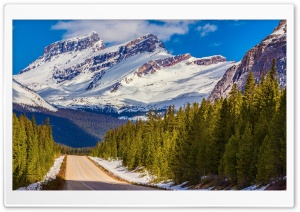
<point x="92" y="185"/>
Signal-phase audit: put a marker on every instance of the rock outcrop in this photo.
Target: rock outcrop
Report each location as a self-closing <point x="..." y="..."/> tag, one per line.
<point x="209" y="60"/>
<point x="257" y="59"/>
<point x="153" y="65"/>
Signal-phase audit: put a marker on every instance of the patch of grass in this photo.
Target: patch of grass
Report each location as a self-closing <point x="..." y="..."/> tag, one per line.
<point x="59" y="182"/>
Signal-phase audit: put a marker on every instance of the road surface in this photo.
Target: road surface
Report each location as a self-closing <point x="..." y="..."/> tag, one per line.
<point x="82" y="174"/>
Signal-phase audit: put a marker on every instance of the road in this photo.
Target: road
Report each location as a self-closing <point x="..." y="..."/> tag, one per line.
<point x="82" y="174"/>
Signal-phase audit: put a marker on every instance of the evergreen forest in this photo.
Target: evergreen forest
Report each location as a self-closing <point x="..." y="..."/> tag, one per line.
<point x="34" y="150"/>
<point x="241" y="139"/>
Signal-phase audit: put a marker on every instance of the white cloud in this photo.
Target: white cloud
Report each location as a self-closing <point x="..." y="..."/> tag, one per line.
<point x="117" y="31"/>
<point x="215" y="44"/>
<point x="207" y="28"/>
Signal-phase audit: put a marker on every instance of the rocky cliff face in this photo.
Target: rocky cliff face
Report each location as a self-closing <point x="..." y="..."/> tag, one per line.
<point x="257" y="59"/>
<point x="74" y="44"/>
<point x="209" y="60"/>
<point x="153" y="65"/>
<point x="223" y="87"/>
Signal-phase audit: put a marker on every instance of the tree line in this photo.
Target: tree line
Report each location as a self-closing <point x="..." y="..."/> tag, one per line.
<point x="34" y="150"/>
<point x="241" y="138"/>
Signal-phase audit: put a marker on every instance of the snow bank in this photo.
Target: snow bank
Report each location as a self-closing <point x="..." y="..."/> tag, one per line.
<point x="262" y="187"/>
<point x="255" y="187"/>
<point x="51" y="175"/>
<point x="115" y="167"/>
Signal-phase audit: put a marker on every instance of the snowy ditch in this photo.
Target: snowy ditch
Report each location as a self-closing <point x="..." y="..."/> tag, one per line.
<point x="115" y="167"/>
<point x="51" y="175"/>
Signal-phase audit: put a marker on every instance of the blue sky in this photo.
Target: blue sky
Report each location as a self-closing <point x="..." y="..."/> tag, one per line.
<point x="230" y="38"/>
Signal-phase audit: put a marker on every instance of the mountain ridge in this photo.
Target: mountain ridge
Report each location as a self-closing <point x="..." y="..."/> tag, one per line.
<point x="129" y="77"/>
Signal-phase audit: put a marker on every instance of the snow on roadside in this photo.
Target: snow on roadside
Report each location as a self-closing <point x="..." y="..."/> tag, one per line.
<point x="255" y="187"/>
<point x="51" y="175"/>
<point x="115" y="167"/>
<point x="170" y="186"/>
<point x="262" y="187"/>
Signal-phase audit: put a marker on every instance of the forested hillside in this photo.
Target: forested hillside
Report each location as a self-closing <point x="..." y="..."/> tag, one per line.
<point x="74" y="128"/>
<point x="241" y="138"/>
<point x="34" y="150"/>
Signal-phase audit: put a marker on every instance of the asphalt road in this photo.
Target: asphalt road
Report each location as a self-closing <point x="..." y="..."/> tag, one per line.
<point x="82" y="174"/>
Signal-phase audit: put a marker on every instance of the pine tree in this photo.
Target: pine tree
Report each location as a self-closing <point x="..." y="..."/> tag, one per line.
<point x="277" y="132"/>
<point x="244" y="158"/>
<point x="229" y="160"/>
<point x="249" y="113"/>
<point x="221" y="132"/>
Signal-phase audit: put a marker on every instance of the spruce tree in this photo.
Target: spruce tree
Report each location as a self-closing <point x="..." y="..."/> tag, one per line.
<point x="229" y="160"/>
<point x="244" y="158"/>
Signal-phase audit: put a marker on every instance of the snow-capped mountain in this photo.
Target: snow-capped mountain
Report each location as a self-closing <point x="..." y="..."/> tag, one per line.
<point x="27" y="97"/>
<point x="257" y="59"/>
<point x="133" y="76"/>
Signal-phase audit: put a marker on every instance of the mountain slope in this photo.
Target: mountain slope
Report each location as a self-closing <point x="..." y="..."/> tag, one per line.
<point x="73" y="128"/>
<point x="257" y="59"/>
<point x="27" y="97"/>
<point x="133" y="76"/>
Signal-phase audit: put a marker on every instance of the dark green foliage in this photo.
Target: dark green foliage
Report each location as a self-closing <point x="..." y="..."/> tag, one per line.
<point x="240" y="139"/>
<point x="229" y="159"/>
<point x="244" y="157"/>
<point x="34" y="150"/>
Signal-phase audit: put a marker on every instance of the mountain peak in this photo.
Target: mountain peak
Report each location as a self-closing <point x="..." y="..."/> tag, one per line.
<point x="74" y="44"/>
<point x="147" y="42"/>
<point x="281" y="27"/>
<point x="93" y="35"/>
